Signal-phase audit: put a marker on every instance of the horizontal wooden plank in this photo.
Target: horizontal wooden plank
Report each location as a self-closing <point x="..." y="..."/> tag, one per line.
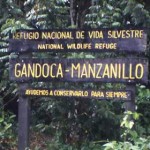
<point x="128" y="70"/>
<point x="95" y="94"/>
<point x="79" y="40"/>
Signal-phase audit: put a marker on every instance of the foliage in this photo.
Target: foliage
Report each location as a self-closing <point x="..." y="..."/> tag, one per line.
<point x="79" y="123"/>
<point x="57" y="145"/>
<point x="105" y="14"/>
<point x="131" y="139"/>
<point x="10" y="20"/>
<point x="143" y="94"/>
<point x="46" y="14"/>
<point x="9" y="9"/>
<point x="112" y="13"/>
<point x="143" y="107"/>
<point x="7" y="135"/>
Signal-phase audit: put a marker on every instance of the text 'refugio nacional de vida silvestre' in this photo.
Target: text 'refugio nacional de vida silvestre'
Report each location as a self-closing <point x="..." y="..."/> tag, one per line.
<point x="80" y="39"/>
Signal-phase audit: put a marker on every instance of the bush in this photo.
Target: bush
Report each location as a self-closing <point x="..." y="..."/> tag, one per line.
<point x="131" y="139"/>
<point x="7" y="135"/>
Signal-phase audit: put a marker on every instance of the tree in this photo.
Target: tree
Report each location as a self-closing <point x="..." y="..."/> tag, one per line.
<point x="78" y="10"/>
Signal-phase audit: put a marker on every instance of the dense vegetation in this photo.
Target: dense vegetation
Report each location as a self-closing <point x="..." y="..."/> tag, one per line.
<point x="74" y="124"/>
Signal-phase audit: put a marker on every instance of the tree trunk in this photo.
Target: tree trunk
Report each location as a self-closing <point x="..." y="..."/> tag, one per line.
<point x="73" y="12"/>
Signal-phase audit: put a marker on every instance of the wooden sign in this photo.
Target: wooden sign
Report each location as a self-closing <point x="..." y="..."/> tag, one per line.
<point x="129" y="70"/>
<point x="75" y="40"/>
<point x="96" y="94"/>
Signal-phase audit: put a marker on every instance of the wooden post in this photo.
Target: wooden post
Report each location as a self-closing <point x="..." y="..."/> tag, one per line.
<point x="23" y="121"/>
<point x="24" y="115"/>
<point x="130" y="105"/>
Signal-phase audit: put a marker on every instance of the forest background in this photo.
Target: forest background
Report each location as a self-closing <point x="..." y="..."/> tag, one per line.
<point x="76" y="123"/>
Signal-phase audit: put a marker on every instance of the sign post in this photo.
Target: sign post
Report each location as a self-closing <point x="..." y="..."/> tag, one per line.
<point x="130" y="105"/>
<point x="24" y="107"/>
<point x="23" y="121"/>
<point x="128" y="70"/>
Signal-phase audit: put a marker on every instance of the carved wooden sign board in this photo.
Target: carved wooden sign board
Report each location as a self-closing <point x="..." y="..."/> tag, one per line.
<point x="78" y="40"/>
<point x="112" y="70"/>
<point x="125" y="70"/>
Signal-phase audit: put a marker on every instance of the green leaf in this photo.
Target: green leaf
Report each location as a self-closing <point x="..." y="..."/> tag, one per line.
<point x="8" y="126"/>
<point x="116" y="24"/>
<point x="110" y="145"/>
<point x="1" y="120"/>
<point x="130" y="125"/>
<point x="136" y="116"/>
<point x="134" y="135"/>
